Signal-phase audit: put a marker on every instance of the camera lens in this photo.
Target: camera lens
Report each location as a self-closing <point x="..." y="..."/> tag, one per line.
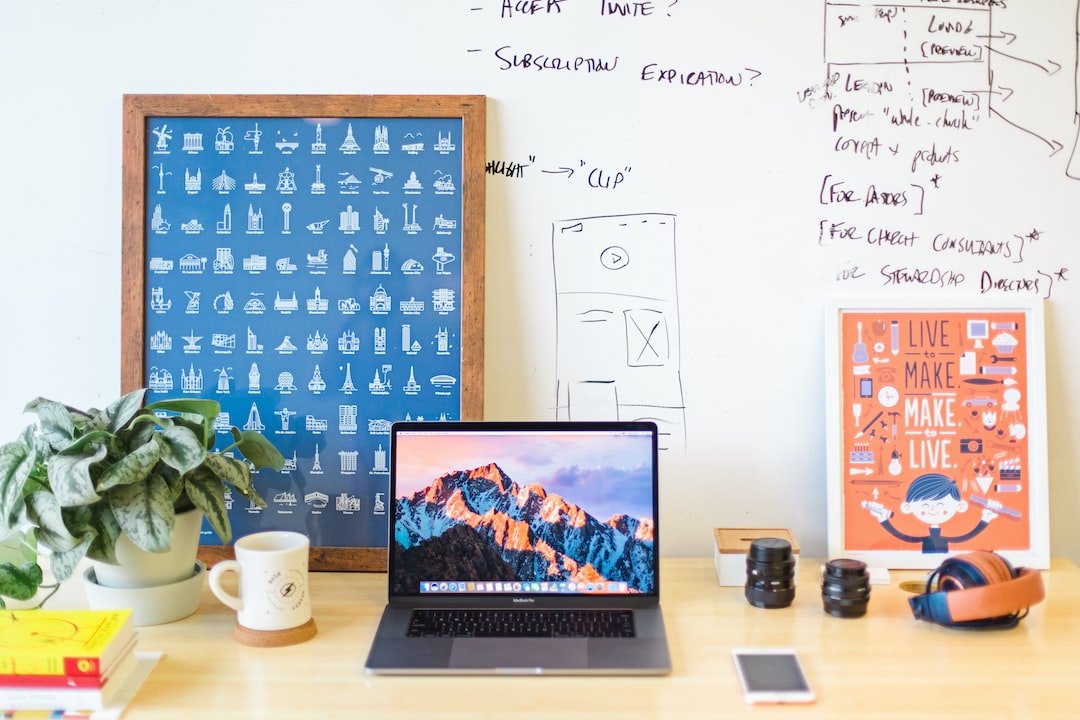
<point x="770" y="573"/>
<point x="845" y="588"/>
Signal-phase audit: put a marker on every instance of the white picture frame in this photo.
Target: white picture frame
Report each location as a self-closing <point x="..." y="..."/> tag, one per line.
<point x="936" y="430"/>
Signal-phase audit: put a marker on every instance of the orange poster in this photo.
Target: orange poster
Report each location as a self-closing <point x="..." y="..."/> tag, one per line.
<point x="936" y="419"/>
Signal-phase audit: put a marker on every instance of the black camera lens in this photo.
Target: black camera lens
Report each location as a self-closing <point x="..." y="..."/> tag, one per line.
<point x="770" y="573"/>
<point x="845" y="588"/>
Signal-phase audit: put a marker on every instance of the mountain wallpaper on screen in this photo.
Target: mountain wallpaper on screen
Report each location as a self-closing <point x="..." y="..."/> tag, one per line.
<point x="480" y="524"/>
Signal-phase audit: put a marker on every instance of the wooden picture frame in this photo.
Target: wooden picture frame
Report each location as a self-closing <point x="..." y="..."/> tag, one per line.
<point x="936" y="421"/>
<point x="339" y="160"/>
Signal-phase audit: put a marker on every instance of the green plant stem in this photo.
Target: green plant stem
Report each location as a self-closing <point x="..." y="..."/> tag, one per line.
<point x="54" y="588"/>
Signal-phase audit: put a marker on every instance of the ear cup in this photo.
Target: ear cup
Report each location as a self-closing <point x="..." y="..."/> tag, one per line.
<point x="978" y="589"/>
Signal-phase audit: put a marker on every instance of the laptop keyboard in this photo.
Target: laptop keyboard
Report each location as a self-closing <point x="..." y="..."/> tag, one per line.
<point x="522" y="623"/>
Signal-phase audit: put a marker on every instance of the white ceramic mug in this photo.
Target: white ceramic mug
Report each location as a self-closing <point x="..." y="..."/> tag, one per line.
<point x="273" y="573"/>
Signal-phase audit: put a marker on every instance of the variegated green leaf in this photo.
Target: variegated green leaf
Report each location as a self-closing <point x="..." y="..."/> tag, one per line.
<point x="69" y="476"/>
<point x="257" y="449"/>
<point x="16" y="461"/>
<point x="236" y="473"/>
<point x="180" y="448"/>
<point x="138" y="433"/>
<point x="63" y="563"/>
<point x="207" y="492"/>
<point x="20" y="582"/>
<point x="202" y="427"/>
<point x="198" y="406"/>
<point x="103" y="547"/>
<point x="145" y="512"/>
<point x="44" y="511"/>
<point x="133" y="467"/>
<point x="121" y="411"/>
<point x="19" y="547"/>
<point x="56" y="423"/>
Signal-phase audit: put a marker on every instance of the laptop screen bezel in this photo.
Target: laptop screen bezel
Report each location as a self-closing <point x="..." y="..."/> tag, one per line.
<point x="523" y="600"/>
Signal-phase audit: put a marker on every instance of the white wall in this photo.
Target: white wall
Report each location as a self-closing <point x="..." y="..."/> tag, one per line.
<point x="740" y="167"/>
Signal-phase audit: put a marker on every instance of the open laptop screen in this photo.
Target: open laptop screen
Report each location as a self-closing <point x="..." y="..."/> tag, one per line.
<point x="515" y="508"/>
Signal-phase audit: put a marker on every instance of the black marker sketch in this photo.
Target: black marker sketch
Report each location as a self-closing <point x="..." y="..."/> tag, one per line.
<point x="617" y="318"/>
<point x="1073" y="168"/>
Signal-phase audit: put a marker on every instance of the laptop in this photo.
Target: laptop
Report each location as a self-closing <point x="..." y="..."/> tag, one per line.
<point x="523" y="548"/>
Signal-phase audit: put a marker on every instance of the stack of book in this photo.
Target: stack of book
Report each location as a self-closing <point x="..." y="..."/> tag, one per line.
<point x="64" y="659"/>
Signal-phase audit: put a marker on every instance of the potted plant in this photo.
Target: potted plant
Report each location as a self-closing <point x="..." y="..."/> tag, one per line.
<point x="110" y="485"/>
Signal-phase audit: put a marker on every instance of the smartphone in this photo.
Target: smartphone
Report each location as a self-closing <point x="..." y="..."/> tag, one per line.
<point x="771" y="675"/>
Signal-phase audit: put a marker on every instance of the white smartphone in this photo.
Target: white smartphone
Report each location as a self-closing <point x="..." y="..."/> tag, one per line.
<point x="771" y="675"/>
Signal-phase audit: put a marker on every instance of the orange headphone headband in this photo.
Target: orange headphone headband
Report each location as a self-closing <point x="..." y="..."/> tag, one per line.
<point x="978" y="586"/>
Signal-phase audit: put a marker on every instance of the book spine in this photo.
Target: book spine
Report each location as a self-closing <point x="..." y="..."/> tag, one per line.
<point x="51" y="699"/>
<point x="61" y="681"/>
<point x="50" y="666"/>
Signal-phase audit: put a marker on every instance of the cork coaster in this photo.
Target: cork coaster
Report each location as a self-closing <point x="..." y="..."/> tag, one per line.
<point x="274" y="638"/>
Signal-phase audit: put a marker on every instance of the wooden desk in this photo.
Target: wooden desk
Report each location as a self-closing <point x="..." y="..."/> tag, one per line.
<point x="883" y="665"/>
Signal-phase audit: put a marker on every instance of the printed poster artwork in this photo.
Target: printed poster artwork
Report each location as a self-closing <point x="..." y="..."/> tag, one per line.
<point x="935" y="448"/>
<point x="304" y="273"/>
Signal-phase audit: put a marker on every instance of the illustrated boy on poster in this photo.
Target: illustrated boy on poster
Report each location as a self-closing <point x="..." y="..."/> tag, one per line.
<point x="934" y="499"/>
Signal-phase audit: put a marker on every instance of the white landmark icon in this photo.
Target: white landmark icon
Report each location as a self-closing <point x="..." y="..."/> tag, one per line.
<point x="161" y="177"/>
<point x="191" y="343"/>
<point x="350" y="220"/>
<point x="286" y="416"/>
<point x="160" y="380"/>
<point x="254" y="221"/>
<point x="444" y="145"/>
<point x="318" y="187"/>
<point x="348" y="461"/>
<point x="192" y="143"/>
<point x="318" y="147"/>
<point x="223" y="140"/>
<point x="379" y="466"/>
<point x="316" y="465"/>
<point x="224" y="225"/>
<point x="254" y="136"/>
<point x="192" y="183"/>
<point x="157" y="222"/>
<point x="444" y="183"/>
<point x="285" y="145"/>
<point x="191" y="380"/>
<point x="382" y="140"/>
<point x="285" y="383"/>
<point x="380" y="385"/>
<point x="286" y="181"/>
<point x="163" y="135"/>
<point x="413" y="145"/>
<point x="411" y="226"/>
<point x="412" y="186"/>
<point x="286" y="211"/>
<point x="224" y="378"/>
<point x="223" y="183"/>
<point x="442" y="259"/>
<point x="254" y="421"/>
<point x="349" y="146"/>
<point x="254" y="379"/>
<point x="255" y="187"/>
<point x="348" y="387"/>
<point x="316" y="384"/>
<point x="347" y="419"/>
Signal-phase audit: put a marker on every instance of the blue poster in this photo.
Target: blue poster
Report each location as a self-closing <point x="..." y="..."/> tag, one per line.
<point x="305" y="274"/>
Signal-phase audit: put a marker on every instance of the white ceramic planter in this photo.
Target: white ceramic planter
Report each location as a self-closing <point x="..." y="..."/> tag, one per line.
<point x="158" y="587"/>
<point x="138" y="568"/>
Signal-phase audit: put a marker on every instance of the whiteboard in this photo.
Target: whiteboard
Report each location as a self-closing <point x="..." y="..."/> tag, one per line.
<point x="796" y="151"/>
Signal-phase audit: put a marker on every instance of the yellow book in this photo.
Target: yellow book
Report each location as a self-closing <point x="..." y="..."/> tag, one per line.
<point x="63" y="642"/>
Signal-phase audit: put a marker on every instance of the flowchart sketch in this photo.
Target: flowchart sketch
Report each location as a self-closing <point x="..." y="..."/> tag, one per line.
<point x="617" y="317"/>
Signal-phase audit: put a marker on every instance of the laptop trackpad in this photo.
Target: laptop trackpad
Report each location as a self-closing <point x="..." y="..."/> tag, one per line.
<point x="523" y="654"/>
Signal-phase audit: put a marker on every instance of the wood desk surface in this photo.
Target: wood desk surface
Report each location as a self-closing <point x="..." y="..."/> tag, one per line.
<point x="884" y="665"/>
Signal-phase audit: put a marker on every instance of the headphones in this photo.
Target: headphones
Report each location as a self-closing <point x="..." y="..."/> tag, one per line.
<point x="978" y="590"/>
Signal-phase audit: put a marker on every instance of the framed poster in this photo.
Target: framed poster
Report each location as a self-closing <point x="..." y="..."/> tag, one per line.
<point x="315" y="264"/>
<point x="936" y="414"/>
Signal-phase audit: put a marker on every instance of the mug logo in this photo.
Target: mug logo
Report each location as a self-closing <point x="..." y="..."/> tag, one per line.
<point x="286" y="591"/>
